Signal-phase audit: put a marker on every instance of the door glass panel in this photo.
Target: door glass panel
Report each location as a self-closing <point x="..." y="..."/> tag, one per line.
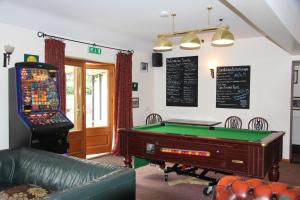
<point x="73" y="96"/>
<point x="96" y="98"/>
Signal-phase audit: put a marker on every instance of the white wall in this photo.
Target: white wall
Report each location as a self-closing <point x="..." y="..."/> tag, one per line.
<point x="270" y="79"/>
<point x="26" y="41"/>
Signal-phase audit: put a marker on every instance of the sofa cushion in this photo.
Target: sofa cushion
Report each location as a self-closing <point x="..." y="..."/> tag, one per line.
<point x="55" y="172"/>
<point x="69" y="178"/>
<point x="28" y="192"/>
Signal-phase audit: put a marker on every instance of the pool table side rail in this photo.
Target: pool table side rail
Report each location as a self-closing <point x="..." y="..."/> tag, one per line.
<point x="275" y="134"/>
<point x="264" y="142"/>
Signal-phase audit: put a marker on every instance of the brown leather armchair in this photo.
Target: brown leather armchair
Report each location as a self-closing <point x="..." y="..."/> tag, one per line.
<point x="238" y="188"/>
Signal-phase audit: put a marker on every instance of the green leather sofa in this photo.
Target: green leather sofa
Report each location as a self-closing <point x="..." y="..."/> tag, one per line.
<point x="68" y="177"/>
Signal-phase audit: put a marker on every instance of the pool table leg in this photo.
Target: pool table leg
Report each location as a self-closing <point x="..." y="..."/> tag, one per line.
<point x="162" y="165"/>
<point x="128" y="161"/>
<point x="274" y="173"/>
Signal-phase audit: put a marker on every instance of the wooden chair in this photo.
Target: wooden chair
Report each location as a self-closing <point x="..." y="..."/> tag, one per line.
<point x="153" y="118"/>
<point x="233" y="122"/>
<point x="258" y="123"/>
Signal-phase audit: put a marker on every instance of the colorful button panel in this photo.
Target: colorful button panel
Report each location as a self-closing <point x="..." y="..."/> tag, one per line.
<point x="185" y="152"/>
<point x="46" y="118"/>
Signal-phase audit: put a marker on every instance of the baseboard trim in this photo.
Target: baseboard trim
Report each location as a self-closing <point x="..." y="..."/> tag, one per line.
<point x="296" y="148"/>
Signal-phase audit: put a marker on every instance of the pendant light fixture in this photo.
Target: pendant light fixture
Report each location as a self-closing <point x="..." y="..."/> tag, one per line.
<point x="222" y="37"/>
<point x="190" y="40"/>
<point x="162" y="44"/>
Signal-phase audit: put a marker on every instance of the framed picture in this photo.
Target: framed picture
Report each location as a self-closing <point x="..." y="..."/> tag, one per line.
<point x="144" y="67"/>
<point x="135" y="86"/>
<point x="296" y="103"/>
<point x="31" y="58"/>
<point x="295" y="74"/>
<point x="135" y="102"/>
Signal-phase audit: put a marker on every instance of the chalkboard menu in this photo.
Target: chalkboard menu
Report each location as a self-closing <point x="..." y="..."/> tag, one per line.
<point x="182" y="81"/>
<point x="233" y="87"/>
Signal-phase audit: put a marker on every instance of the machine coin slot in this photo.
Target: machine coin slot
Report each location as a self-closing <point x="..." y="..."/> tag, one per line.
<point x="150" y="148"/>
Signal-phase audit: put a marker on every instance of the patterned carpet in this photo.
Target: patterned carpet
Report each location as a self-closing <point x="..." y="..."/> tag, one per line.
<point x="110" y="159"/>
<point x="150" y="182"/>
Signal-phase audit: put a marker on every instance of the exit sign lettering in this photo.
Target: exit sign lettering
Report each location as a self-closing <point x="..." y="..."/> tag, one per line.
<point x="94" y="50"/>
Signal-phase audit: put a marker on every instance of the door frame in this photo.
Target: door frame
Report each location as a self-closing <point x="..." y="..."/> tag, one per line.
<point x="294" y="63"/>
<point x="109" y="66"/>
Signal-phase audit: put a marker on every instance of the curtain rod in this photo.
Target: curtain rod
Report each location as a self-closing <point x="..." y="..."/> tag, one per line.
<point x="41" y="34"/>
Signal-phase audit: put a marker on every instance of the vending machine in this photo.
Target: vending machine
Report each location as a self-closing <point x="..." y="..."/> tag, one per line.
<point x="35" y="117"/>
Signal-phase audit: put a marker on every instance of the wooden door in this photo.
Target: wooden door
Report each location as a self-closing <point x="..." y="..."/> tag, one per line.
<point x="75" y="101"/>
<point x="89" y="99"/>
<point x="99" y="79"/>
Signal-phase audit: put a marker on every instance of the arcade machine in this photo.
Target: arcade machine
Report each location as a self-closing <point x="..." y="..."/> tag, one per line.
<point x="35" y="118"/>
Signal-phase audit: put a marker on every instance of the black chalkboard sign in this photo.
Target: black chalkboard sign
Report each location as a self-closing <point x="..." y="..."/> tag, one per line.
<point x="233" y="87"/>
<point x="182" y="81"/>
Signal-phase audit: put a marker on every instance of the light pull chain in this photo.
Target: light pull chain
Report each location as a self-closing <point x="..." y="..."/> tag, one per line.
<point x="173" y="16"/>
<point x="209" y="8"/>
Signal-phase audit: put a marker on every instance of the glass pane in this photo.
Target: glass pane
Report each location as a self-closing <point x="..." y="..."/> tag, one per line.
<point x="96" y="97"/>
<point x="73" y="96"/>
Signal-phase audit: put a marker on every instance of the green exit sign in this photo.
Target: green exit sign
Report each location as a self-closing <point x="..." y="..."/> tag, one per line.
<point x="94" y="50"/>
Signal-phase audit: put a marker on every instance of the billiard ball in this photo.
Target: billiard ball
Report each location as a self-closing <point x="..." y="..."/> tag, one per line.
<point x="241" y="189"/>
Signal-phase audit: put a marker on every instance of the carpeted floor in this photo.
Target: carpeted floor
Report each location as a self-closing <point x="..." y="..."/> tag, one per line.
<point x="151" y="185"/>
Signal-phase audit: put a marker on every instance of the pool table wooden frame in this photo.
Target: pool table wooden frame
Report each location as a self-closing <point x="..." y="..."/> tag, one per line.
<point x="246" y="158"/>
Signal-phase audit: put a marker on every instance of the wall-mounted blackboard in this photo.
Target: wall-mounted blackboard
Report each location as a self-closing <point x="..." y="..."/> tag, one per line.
<point x="182" y="81"/>
<point x="233" y="87"/>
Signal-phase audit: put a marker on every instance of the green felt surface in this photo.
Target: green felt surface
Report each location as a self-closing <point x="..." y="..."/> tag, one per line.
<point x="204" y="131"/>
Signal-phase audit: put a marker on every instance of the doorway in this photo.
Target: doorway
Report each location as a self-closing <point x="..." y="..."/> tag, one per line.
<point x="295" y="134"/>
<point x="89" y="105"/>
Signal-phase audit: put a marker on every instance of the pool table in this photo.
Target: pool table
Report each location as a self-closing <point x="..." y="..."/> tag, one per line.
<point x="238" y="151"/>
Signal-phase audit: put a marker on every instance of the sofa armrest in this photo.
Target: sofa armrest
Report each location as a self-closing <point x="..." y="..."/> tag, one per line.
<point x="7" y="165"/>
<point x="114" y="186"/>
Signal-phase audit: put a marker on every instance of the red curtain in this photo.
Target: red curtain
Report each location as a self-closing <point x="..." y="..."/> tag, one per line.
<point x="55" y="55"/>
<point x="123" y="97"/>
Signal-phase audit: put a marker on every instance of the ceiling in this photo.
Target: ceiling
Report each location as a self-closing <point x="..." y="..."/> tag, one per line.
<point x="134" y="24"/>
<point x="98" y="20"/>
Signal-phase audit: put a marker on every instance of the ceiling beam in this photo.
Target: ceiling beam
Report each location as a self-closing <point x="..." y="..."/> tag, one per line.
<point x="259" y="15"/>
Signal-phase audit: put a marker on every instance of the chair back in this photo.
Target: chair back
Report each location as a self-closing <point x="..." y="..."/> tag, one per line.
<point x="153" y="118"/>
<point x="258" y="123"/>
<point x="233" y="122"/>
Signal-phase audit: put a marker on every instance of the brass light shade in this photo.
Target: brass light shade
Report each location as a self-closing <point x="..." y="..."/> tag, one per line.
<point x="190" y="41"/>
<point x="222" y="37"/>
<point x="162" y="44"/>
